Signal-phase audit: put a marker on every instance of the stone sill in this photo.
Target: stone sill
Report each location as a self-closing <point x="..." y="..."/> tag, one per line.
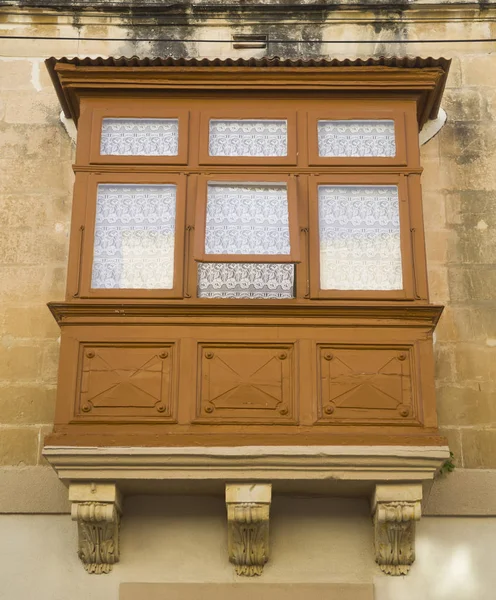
<point x="329" y="470"/>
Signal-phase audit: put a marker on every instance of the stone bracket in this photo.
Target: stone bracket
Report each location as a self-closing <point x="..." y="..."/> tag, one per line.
<point x="248" y="507"/>
<point x="97" y="508"/>
<point x="395" y="508"/>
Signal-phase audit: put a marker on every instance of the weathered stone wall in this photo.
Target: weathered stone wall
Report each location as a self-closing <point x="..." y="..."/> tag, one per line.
<point x="459" y="183"/>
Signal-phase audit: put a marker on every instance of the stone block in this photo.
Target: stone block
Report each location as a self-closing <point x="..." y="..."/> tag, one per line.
<point x="479" y="448"/>
<point x="439" y="245"/>
<point x="38" y="107"/>
<point x="20" y="363"/>
<point x="37" y="47"/>
<point x="24" y="210"/>
<point x="476" y="244"/>
<point x="465" y="406"/>
<point x="475" y="323"/>
<point x="465" y="104"/>
<point x="26" y="404"/>
<point x="469" y="284"/>
<point x="50" y="362"/>
<point x="15" y="74"/>
<point x="56" y="283"/>
<point x="444" y="362"/>
<point x="475" y="363"/>
<point x="21" y="282"/>
<point x="468" y="153"/>
<point x="49" y="174"/>
<point x="446" y="329"/>
<point x="476" y="70"/>
<point x="438" y="285"/>
<point x="32" y="321"/>
<point x="434" y="211"/>
<point x="455" y="73"/>
<point x="22" y="245"/>
<point x="430" y="150"/>
<point x="19" y="446"/>
<point x="454" y="442"/>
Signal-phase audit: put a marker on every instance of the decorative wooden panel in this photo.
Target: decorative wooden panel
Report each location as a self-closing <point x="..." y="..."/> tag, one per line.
<point x="130" y="381"/>
<point x="366" y="384"/>
<point x="246" y="382"/>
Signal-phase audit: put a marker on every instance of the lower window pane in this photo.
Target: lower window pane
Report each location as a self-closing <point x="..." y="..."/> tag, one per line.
<point x="134" y="237"/>
<point x="246" y="281"/>
<point x="359" y="229"/>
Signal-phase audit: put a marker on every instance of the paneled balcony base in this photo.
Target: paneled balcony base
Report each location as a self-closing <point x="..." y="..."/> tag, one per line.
<point x="328" y="470"/>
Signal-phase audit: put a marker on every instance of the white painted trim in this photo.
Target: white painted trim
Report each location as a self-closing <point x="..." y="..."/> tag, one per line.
<point x="432" y="127"/>
<point x="248" y="463"/>
<point x="70" y="127"/>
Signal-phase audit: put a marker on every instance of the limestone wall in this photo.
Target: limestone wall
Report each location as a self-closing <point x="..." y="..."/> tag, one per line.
<point x="184" y="539"/>
<point x="459" y="183"/>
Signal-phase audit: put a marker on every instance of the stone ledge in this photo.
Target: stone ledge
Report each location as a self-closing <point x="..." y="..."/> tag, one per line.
<point x="298" y="469"/>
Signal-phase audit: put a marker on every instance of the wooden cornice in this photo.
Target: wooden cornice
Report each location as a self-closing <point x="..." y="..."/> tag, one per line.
<point x="422" y="79"/>
<point x="70" y="313"/>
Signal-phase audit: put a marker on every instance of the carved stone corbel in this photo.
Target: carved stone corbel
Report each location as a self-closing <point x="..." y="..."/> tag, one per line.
<point x="395" y="509"/>
<point x="97" y="508"/>
<point x="248" y="507"/>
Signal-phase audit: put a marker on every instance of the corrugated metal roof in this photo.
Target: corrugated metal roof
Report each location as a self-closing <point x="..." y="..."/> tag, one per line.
<point x="403" y="62"/>
<point x="410" y="62"/>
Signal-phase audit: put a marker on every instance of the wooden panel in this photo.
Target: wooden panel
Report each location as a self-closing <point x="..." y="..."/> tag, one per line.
<point x="366" y="384"/>
<point x="130" y="381"/>
<point x="226" y="384"/>
<point x="252" y="383"/>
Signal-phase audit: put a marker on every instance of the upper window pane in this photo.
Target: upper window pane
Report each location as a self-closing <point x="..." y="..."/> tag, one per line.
<point x="247" y="218"/>
<point x="359" y="228"/>
<point x="356" y="138"/>
<point x="134" y="237"/>
<point x="140" y="137"/>
<point x="248" y="137"/>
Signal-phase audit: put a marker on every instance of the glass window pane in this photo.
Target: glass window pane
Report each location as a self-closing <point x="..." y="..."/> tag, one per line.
<point x="359" y="229"/>
<point x="247" y="218"/>
<point x="247" y="137"/>
<point x="140" y="137"/>
<point x="356" y="138"/>
<point x="134" y="237"/>
<point x="246" y="281"/>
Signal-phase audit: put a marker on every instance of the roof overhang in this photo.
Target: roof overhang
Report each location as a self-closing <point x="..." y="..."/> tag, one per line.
<point x="421" y="78"/>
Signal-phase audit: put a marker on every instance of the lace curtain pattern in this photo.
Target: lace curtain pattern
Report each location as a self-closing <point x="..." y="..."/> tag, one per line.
<point x="356" y="138"/>
<point x="140" y="137"/>
<point x="247" y="218"/>
<point x="246" y="281"/>
<point x="134" y="237"/>
<point x="248" y="138"/>
<point x="359" y="229"/>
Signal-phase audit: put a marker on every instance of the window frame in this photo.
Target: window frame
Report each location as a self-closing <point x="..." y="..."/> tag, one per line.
<point x="200" y="221"/>
<point x="408" y="270"/>
<point x="129" y="110"/>
<point x="262" y="114"/>
<point x="353" y="113"/>
<point x="88" y="194"/>
<point x="304" y="232"/>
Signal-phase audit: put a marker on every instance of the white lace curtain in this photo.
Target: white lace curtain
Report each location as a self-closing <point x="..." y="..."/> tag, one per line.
<point x="359" y="228"/>
<point x="356" y="138"/>
<point x="140" y="137"/>
<point x="134" y="237"/>
<point x="246" y="137"/>
<point x="247" y="218"/>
